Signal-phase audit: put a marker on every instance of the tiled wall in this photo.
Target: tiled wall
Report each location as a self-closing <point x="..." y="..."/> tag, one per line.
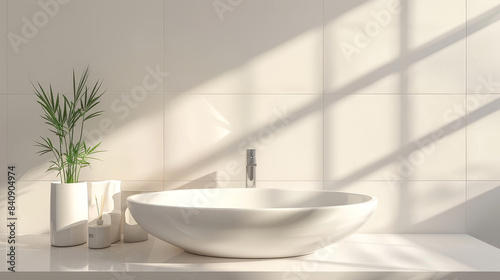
<point x="369" y="96"/>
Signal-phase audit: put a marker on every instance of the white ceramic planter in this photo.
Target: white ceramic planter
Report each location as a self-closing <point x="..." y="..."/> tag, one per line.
<point x="68" y="214"/>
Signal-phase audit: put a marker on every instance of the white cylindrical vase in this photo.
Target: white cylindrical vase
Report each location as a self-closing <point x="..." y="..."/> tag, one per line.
<point x="111" y="192"/>
<point x="68" y="214"/>
<point x="99" y="236"/>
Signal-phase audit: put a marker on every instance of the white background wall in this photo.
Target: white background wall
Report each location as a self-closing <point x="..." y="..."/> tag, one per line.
<point x="369" y="96"/>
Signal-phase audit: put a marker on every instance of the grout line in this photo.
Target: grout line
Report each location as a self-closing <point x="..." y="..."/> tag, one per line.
<point x="323" y="96"/>
<point x="466" y="117"/>
<point x="163" y="96"/>
<point x="497" y="94"/>
<point x="106" y="94"/>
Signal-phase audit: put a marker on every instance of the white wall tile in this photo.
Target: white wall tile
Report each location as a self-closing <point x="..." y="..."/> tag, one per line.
<point x="141" y="186"/>
<point x="412" y="207"/>
<point x="3" y="205"/>
<point x="205" y="182"/>
<point x="482" y="206"/>
<point x="117" y="39"/>
<point x="369" y="48"/>
<point x="483" y="151"/>
<point x="441" y="72"/>
<point x="254" y="47"/>
<point x="479" y="9"/>
<point x="3" y="46"/>
<point x="430" y="117"/>
<point x="210" y="180"/>
<point x="360" y="130"/>
<point x="436" y="36"/>
<point x="206" y="134"/>
<point x="430" y="20"/>
<point x="202" y="184"/>
<point x="132" y="138"/>
<point x="24" y="128"/>
<point x="362" y="38"/>
<point x="3" y="136"/>
<point x="33" y="211"/>
<point x="291" y="185"/>
<point x="3" y="158"/>
<point x="482" y="47"/>
<point x="384" y="137"/>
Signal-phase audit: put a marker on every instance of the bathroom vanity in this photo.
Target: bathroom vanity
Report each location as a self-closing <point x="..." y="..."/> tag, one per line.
<point x="360" y="256"/>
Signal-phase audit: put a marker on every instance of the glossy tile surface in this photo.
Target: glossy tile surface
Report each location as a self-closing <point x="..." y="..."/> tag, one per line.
<point x="482" y="58"/>
<point x="3" y="208"/>
<point x="33" y="211"/>
<point x="412" y="207"/>
<point x="207" y="134"/>
<point x="117" y="43"/>
<point x="3" y="46"/>
<point x="357" y="45"/>
<point x="482" y="137"/>
<point x="395" y="47"/>
<point x="130" y="130"/>
<point x="389" y="137"/>
<point x="24" y="112"/>
<point x="3" y="160"/>
<point x="214" y="47"/>
<point x="3" y="136"/>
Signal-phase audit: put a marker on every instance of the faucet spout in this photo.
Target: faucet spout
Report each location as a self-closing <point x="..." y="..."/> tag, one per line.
<point x="251" y="168"/>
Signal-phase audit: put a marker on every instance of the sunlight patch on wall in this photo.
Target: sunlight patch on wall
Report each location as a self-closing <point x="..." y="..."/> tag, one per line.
<point x="274" y="71"/>
<point x="359" y="41"/>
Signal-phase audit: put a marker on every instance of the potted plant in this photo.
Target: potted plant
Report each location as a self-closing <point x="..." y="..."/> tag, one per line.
<point x="66" y="119"/>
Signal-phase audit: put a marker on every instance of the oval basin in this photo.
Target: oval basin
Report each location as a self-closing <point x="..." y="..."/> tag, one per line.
<point x="251" y="223"/>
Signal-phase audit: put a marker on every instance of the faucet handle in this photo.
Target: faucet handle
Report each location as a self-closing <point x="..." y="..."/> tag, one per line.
<point x="251" y="161"/>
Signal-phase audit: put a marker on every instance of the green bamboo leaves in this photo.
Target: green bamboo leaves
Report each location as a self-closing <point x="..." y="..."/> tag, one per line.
<point x="66" y="119"/>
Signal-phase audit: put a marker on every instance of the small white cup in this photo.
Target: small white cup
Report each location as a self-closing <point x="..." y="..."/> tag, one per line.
<point x="99" y="236"/>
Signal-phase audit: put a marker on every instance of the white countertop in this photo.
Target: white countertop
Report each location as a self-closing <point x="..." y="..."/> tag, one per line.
<point x="364" y="254"/>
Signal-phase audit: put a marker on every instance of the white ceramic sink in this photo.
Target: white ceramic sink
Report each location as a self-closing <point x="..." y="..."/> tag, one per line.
<point x="251" y="223"/>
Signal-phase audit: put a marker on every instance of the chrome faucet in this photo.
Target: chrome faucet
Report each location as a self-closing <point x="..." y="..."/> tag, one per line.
<point x="251" y="168"/>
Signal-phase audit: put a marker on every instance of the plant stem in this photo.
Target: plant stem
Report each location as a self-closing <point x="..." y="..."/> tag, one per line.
<point x="68" y="174"/>
<point x="57" y="158"/>
<point x="63" y="176"/>
<point x="80" y="141"/>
